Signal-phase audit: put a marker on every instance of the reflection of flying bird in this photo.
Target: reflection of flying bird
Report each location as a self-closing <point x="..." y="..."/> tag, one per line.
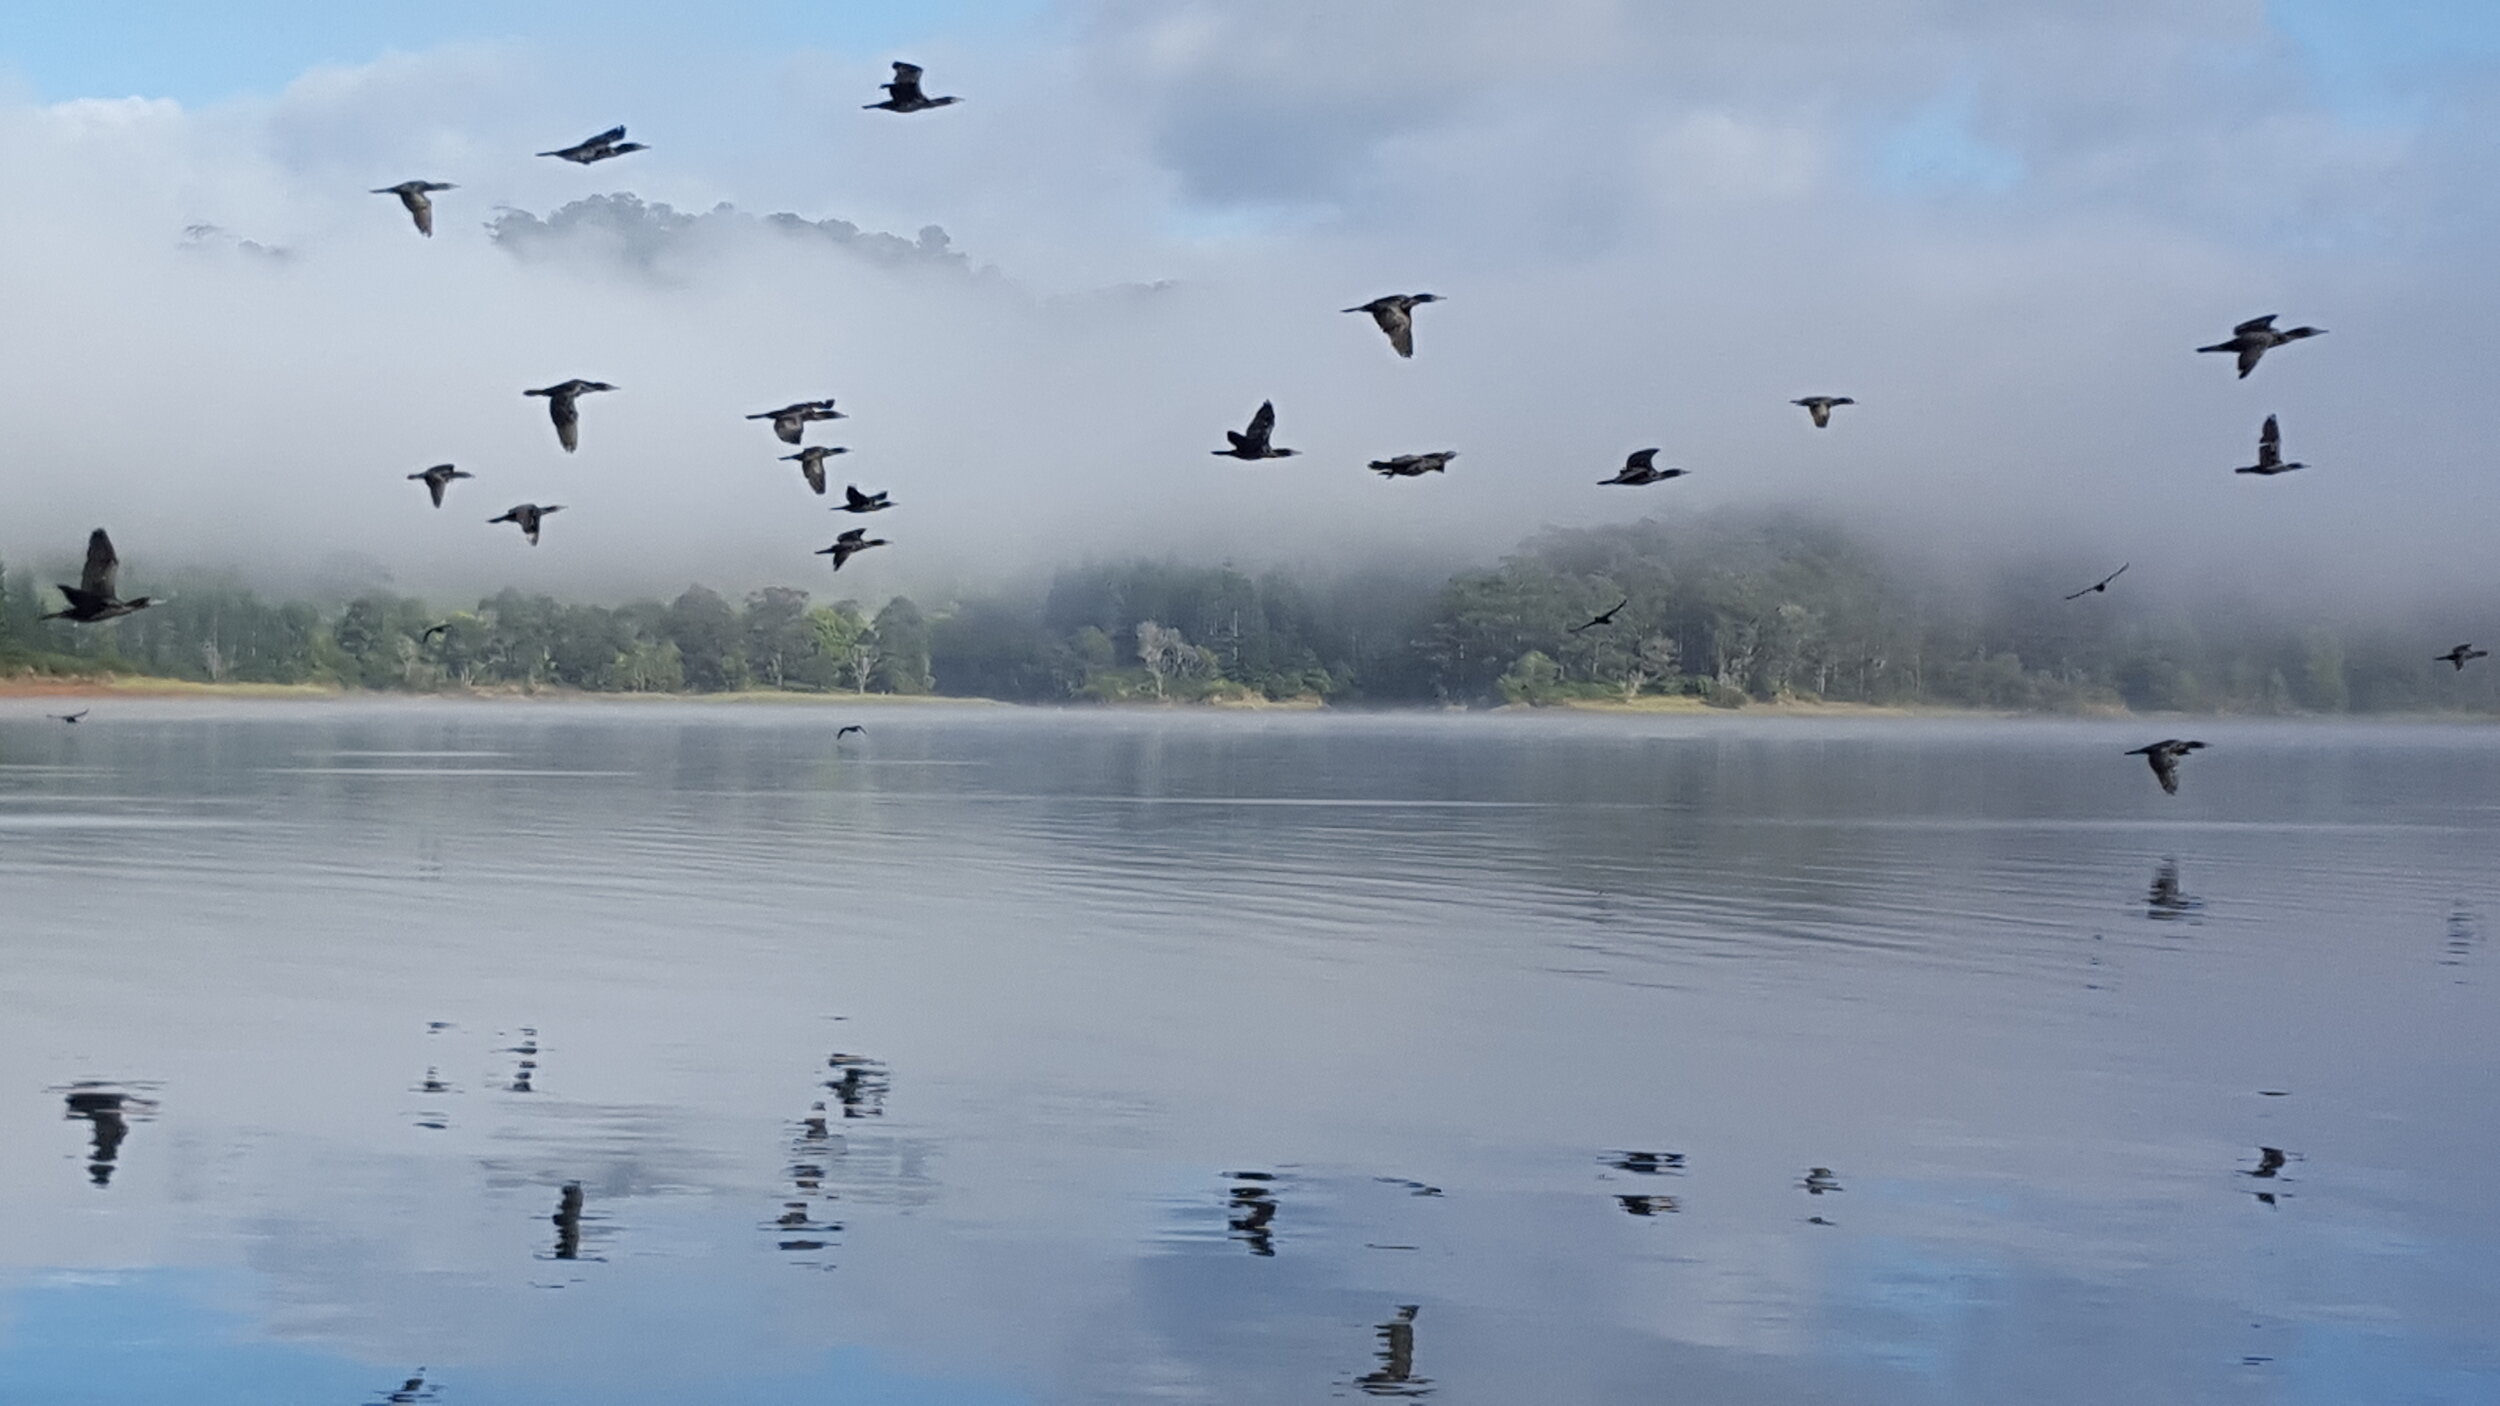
<point x="1396" y="1374"/>
<point x="1639" y="469"/>
<point x="811" y="462"/>
<point x="526" y="516"/>
<point x="92" y="599"/>
<point x="2269" y="453"/>
<point x="562" y="407"/>
<point x="904" y="95"/>
<point x="1648" y="1164"/>
<point x="71" y="718"/>
<point x="849" y="545"/>
<point x="2270" y="1162"/>
<point x="568" y="1221"/>
<point x="2166" y="901"/>
<point x="1820" y="407"/>
<point x="2252" y="339"/>
<point x="1414" y="465"/>
<point x="1819" y="1180"/>
<point x="1605" y="618"/>
<point x="791" y="421"/>
<point x="2103" y="583"/>
<point x="2163" y="757"/>
<point x="2460" y="655"/>
<point x="105" y="1109"/>
<point x="847" y="729"/>
<point x="1396" y="315"/>
<point x="854" y="501"/>
<point x="1253" y="442"/>
<point x="413" y="195"/>
<point x="608" y="144"/>
<point x="438" y="478"/>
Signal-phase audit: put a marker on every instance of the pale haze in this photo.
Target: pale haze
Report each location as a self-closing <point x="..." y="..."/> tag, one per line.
<point x="2004" y="230"/>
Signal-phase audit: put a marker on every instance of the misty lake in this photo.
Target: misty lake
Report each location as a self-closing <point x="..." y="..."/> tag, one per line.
<point x="523" y="1053"/>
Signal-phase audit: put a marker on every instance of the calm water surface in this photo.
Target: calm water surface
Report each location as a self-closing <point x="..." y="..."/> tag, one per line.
<point x="553" y="1054"/>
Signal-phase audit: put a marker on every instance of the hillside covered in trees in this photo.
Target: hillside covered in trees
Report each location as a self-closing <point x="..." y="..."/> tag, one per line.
<point x="1728" y="610"/>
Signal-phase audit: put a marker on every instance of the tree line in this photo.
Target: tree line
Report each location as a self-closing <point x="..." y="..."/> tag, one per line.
<point x="1729" y="611"/>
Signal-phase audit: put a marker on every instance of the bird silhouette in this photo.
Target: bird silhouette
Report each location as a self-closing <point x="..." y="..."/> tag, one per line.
<point x="2103" y="583"/>
<point x="1605" y="618"/>
<point x="568" y="1222"/>
<point x="1640" y="468"/>
<point x="1414" y="465"/>
<point x="527" y="516"/>
<point x="70" y="718"/>
<point x="2269" y="453"/>
<point x="562" y="407"/>
<point x="1820" y="407"/>
<point x="1396" y="315"/>
<point x="431" y="631"/>
<point x="1253" y="442"/>
<point x="1396" y="1374"/>
<point x="904" y="95"/>
<point x="93" y="598"/>
<point x="854" y="501"/>
<point x="413" y="194"/>
<point x="849" y="545"/>
<point x="791" y="421"/>
<point x="2270" y="1161"/>
<point x="811" y="462"/>
<point x="847" y="729"/>
<point x="591" y="150"/>
<point x="2460" y="655"/>
<point x="2163" y="757"/>
<point x="2252" y="339"/>
<point x="1819" y="1180"/>
<point x="438" y="478"/>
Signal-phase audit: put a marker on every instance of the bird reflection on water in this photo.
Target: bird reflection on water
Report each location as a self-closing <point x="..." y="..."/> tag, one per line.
<point x="412" y="1390"/>
<point x="2166" y="902"/>
<point x="861" y="1087"/>
<point x="568" y="1221"/>
<point x="1252" y="1215"/>
<point x="1396" y="1374"/>
<point x="109" y="1111"/>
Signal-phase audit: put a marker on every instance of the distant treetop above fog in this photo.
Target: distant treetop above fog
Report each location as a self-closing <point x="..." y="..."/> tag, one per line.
<point x="644" y="233"/>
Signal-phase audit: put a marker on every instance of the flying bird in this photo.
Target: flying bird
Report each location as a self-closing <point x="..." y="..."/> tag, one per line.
<point x="811" y="462"/>
<point x="1414" y="465"/>
<point x="1605" y="618"/>
<point x="526" y="516"/>
<point x="2269" y="453"/>
<point x="563" y="409"/>
<point x="1820" y="407"/>
<point x="1253" y="442"/>
<point x="791" y="421"/>
<point x="2103" y="583"/>
<point x="438" y="478"/>
<point x="413" y="195"/>
<point x="431" y="631"/>
<point x="2163" y="757"/>
<point x="904" y="95"/>
<point x="1641" y="468"/>
<point x="2461" y="654"/>
<point x="854" y="501"/>
<point x="1396" y="315"/>
<point x="2252" y="339"/>
<point x="849" y="545"/>
<point x="605" y="146"/>
<point x="92" y="599"/>
<point x="71" y="718"/>
<point x="847" y="729"/>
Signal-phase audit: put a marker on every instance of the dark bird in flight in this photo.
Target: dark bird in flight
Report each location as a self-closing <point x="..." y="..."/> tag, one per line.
<point x="608" y="144"/>
<point x="2462" y="653"/>
<point x="1396" y="315"/>
<point x="69" y="717"/>
<point x="1253" y="442"/>
<point x="2252" y="339"/>
<point x="1820" y="407"/>
<point x="2103" y="583"/>
<point x="1414" y="465"/>
<point x="1641" y="468"/>
<point x="847" y="729"/>
<point x="92" y="599"/>
<point x="431" y="631"/>
<point x="854" y="501"/>
<point x="438" y="478"/>
<point x="791" y="421"/>
<point x="2269" y="453"/>
<point x="413" y="195"/>
<point x="2163" y="757"/>
<point x="904" y="95"/>
<point x="811" y="462"/>
<point x="1606" y="618"/>
<point x="563" y="409"/>
<point x="849" y="545"/>
<point x="527" y="515"/>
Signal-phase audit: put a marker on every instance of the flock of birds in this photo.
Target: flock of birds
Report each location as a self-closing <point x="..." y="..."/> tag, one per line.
<point x="95" y="597"/>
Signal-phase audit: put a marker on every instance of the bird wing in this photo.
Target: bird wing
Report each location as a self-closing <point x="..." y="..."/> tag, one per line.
<point x="561" y="409"/>
<point x="97" y="577"/>
<point x="1263" y="424"/>
<point x="852" y="536"/>
<point x="1820" y="409"/>
<point x="609" y="137"/>
<point x="435" y="484"/>
<point x="852" y="495"/>
<point x="2255" y="324"/>
<point x="2270" y="443"/>
<point x="2121" y="571"/>
<point x="791" y="428"/>
<point x="2249" y="356"/>
<point x="2165" y="764"/>
<point x="1399" y="324"/>
<point x="1642" y="459"/>
<point x="906" y="85"/>
<point x="423" y="210"/>
<point x="815" y="471"/>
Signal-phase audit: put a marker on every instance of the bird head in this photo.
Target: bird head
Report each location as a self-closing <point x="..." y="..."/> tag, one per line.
<point x="1428" y="298"/>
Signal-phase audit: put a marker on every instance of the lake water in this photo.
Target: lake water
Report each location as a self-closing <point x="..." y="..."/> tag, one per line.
<point x="475" y="1053"/>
